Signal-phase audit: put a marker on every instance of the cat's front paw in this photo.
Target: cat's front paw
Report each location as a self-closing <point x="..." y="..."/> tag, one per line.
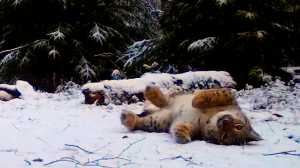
<point x="129" y="119"/>
<point x="155" y="96"/>
<point x="182" y="133"/>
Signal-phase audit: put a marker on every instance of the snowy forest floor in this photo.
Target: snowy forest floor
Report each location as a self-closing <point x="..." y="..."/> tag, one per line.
<point x="57" y="130"/>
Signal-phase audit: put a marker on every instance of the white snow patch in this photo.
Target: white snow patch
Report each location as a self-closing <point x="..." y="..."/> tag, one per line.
<point x="291" y="70"/>
<point x="162" y="80"/>
<point x="202" y="44"/>
<point x="26" y="90"/>
<point x="58" y="127"/>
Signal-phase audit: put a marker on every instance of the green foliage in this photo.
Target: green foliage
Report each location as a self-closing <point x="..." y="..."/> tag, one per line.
<point x="249" y="34"/>
<point x="254" y="78"/>
<point x="74" y="38"/>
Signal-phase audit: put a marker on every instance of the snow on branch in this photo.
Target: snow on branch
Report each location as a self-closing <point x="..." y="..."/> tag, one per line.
<point x="261" y="34"/>
<point x="279" y="26"/>
<point x="53" y="53"/>
<point x="86" y="69"/>
<point x="64" y="2"/>
<point x="222" y="2"/>
<point x="137" y="51"/>
<point x="162" y="80"/>
<point x="247" y="14"/>
<point x="101" y="33"/>
<point x="11" y="56"/>
<point x="151" y="6"/>
<point x="40" y="43"/>
<point x="59" y="33"/>
<point x="202" y="44"/>
<point x="17" y="3"/>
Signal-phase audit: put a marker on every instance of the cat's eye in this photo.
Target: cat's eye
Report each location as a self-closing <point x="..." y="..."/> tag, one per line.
<point x="225" y="136"/>
<point x="238" y="127"/>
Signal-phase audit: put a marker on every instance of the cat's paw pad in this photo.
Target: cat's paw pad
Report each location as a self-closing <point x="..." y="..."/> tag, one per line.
<point x="155" y="96"/>
<point x="182" y="133"/>
<point x="128" y="119"/>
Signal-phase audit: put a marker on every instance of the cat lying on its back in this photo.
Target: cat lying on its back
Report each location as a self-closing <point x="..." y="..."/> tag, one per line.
<point x="211" y="115"/>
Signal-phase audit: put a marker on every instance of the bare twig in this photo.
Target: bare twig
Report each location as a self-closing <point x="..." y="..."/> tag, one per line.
<point x="80" y="148"/>
<point x="284" y="153"/>
<point x="16" y="127"/>
<point x="95" y="162"/>
<point x="130" y="146"/>
<point x="66" y="127"/>
<point x="270" y="127"/>
<point x="103" y="146"/>
<point x="88" y="152"/>
<point x="187" y="160"/>
<point x="64" y="159"/>
<point x="16" y="152"/>
<point x="156" y="149"/>
<point x="27" y="162"/>
<point x="42" y="140"/>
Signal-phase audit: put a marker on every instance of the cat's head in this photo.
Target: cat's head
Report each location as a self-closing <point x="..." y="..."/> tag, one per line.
<point x="230" y="127"/>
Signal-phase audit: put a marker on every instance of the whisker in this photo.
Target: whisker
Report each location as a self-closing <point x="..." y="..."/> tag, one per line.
<point x="223" y="145"/>
<point x="242" y="146"/>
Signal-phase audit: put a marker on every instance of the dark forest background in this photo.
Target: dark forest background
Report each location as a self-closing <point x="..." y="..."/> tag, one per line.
<point x="44" y="41"/>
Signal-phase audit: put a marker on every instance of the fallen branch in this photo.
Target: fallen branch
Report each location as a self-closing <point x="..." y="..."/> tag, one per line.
<point x="130" y="146"/>
<point x="283" y="153"/>
<point x="80" y="148"/>
<point x="95" y="162"/>
<point x="187" y="160"/>
<point x="88" y="152"/>
<point x="118" y="157"/>
<point x="64" y="159"/>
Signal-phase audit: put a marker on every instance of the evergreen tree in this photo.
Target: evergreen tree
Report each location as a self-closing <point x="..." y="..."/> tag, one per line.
<point x="45" y="39"/>
<point x="230" y="35"/>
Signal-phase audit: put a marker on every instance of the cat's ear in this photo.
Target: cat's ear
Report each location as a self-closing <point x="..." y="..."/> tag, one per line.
<point x="253" y="136"/>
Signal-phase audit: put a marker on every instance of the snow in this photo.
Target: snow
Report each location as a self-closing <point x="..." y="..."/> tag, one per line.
<point x="26" y="90"/>
<point x="50" y="128"/>
<point x="202" y="44"/>
<point x="163" y="80"/>
<point x="291" y="70"/>
<point x="137" y="51"/>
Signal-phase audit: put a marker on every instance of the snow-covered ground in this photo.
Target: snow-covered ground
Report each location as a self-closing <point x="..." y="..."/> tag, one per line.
<point x="57" y="130"/>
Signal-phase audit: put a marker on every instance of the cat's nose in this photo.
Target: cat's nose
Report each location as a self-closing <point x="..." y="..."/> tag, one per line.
<point x="148" y="88"/>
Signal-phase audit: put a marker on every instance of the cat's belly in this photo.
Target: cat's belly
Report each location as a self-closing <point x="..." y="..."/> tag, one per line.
<point x="185" y="112"/>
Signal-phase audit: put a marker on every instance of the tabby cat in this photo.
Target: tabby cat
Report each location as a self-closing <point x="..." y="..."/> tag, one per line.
<point x="212" y="115"/>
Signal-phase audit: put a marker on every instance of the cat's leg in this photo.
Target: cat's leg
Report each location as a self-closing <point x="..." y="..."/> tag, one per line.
<point x="130" y="120"/>
<point x="156" y="122"/>
<point x="155" y="96"/>
<point x="182" y="132"/>
<point x="213" y="98"/>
